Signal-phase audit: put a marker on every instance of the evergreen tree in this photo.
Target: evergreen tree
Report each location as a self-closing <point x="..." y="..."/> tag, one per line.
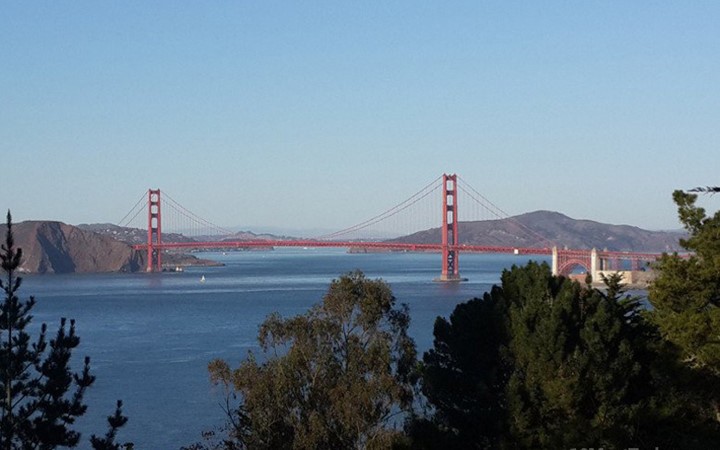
<point x="41" y="397"/>
<point x="686" y="293"/>
<point x="115" y="422"/>
<point x="685" y="298"/>
<point x="335" y="377"/>
<point x="706" y="189"/>
<point x="464" y="377"/>
<point x="583" y="364"/>
<point x="544" y="362"/>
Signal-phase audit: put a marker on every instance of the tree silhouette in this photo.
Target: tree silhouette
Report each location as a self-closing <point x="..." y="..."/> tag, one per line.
<point x="686" y="299"/>
<point x="41" y="397"/>
<point x="706" y="189"/>
<point x="544" y="362"/>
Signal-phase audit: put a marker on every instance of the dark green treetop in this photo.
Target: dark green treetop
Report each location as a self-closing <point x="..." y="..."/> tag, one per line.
<point x="685" y="299"/>
<point x="686" y="293"/>
<point x="544" y="362"/>
<point x="582" y="363"/>
<point x="464" y="377"/>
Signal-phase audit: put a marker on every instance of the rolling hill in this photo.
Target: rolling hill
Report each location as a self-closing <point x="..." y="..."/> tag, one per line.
<point x="548" y="228"/>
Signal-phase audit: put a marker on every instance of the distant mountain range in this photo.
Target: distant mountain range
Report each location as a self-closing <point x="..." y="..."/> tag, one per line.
<point x="135" y="236"/>
<point x="541" y="229"/>
<point x="55" y="247"/>
<point x="131" y="236"/>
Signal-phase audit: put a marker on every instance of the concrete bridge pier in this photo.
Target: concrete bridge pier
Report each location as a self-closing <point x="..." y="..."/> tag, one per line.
<point x="595" y="265"/>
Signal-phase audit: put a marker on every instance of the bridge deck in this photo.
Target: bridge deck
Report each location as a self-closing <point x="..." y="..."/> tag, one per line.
<point x="395" y="246"/>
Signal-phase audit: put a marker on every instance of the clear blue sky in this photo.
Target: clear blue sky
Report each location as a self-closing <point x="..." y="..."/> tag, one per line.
<point x="323" y="114"/>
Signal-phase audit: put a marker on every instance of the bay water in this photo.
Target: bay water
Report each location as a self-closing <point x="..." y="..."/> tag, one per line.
<point x="150" y="336"/>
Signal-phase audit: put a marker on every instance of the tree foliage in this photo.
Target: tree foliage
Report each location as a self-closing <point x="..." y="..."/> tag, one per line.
<point x="706" y="189"/>
<point x="465" y="375"/>
<point x="115" y="422"/>
<point x="41" y="397"/>
<point x="543" y="362"/>
<point x="686" y="294"/>
<point x="685" y="298"/>
<point x="583" y="363"/>
<point x="338" y="376"/>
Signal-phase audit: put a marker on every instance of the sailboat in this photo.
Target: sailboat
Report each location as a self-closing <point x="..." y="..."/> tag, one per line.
<point x="202" y="279"/>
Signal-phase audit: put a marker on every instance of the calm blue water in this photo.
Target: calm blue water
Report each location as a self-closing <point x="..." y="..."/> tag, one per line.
<point x="150" y="336"/>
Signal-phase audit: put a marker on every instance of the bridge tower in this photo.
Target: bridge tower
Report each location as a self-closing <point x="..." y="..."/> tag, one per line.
<point x="154" y="255"/>
<point x="450" y="268"/>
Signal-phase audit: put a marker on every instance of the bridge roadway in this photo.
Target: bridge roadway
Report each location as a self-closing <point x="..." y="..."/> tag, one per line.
<point x="632" y="256"/>
<point x="349" y="244"/>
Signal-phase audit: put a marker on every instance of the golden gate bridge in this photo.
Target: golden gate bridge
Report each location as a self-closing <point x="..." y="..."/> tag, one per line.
<point x="416" y="218"/>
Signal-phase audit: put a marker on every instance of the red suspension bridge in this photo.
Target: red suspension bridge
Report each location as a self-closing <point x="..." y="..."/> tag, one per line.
<point x="415" y="218"/>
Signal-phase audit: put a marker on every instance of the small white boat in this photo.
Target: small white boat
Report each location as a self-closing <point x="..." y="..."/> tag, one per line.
<point x="202" y="279"/>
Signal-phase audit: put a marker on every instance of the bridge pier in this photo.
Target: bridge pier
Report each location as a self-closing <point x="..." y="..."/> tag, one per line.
<point x="450" y="265"/>
<point x="154" y="255"/>
<point x="595" y="265"/>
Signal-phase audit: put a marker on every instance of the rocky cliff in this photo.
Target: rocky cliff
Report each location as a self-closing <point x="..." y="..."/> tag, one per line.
<point x="55" y="247"/>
